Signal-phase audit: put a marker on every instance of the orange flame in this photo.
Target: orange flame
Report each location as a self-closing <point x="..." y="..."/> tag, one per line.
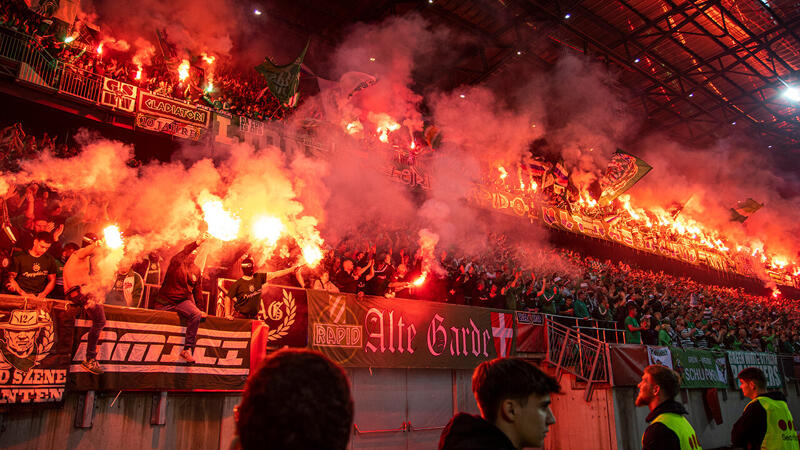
<point x="503" y="173"/>
<point x="268" y="228"/>
<point x="776" y="292"/>
<point x="221" y="224"/>
<point x="100" y="49"/>
<point x="354" y="127"/>
<point x="419" y="281"/>
<point x="312" y="254"/>
<point x="183" y="70"/>
<point x="113" y="237"/>
<point x="139" y="73"/>
<point x="385" y="125"/>
<point x="208" y="58"/>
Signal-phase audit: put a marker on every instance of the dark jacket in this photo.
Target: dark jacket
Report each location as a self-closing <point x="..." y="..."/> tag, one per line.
<point x="468" y="432"/>
<point x="750" y="429"/>
<point x="657" y="436"/>
<point x="182" y="280"/>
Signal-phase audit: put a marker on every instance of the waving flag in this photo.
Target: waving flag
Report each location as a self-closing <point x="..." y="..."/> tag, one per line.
<point x="623" y="171"/>
<point x="283" y="81"/>
<point x="743" y="210"/>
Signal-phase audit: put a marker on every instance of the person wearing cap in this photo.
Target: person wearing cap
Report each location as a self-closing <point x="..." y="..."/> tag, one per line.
<point x="77" y="273"/>
<point x="766" y="421"/>
<point x="33" y="272"/>
<point x="244" y="295"/>
<point x="668" y="429"/>
<point x="181" y="291"/>
<point x="18" y="345"/>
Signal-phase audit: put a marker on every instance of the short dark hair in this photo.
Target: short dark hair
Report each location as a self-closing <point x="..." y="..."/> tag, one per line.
<point x="297" y="399"/>
<point x="665" y="378"/>
<point x="43" y="236"/>
<point x="755" y="375"/>
<point x="508" y="378"/>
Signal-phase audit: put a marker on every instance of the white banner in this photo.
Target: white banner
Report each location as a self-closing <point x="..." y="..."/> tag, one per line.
<point x="659" y="355"/>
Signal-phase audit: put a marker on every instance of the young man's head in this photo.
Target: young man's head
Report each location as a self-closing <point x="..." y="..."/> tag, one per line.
<point x="41" y="243"/>
<point x="514" y="395"/>
<point x="296" y="399"/>
<point x="659" y="384"/>
<point x="752" y="382"/>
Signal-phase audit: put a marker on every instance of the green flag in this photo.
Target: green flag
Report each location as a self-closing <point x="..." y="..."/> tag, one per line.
<point x="743" y="210"/>
<point x="623" y="171"/>
<point x="283" y="80"/>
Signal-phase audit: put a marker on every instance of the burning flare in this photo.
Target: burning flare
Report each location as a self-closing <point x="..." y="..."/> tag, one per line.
<point x="208" y="58"/>
<point x="221" y="224"/>
<point x="113" y="237"/>
<point x="312" y="254"/>
<point x="385" y="125"/>
<point x="100" y="49"/>
<point x="268" y="228"/>
<point x="503" y="172"/>
<point x="419" y="281"/>
<point x="183" y="70"/>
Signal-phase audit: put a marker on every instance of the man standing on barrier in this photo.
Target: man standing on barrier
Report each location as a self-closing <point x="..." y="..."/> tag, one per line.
<point x="766" y="421"/>
<point x="244" y="294"/>
<point x="78" y="272"/>
<point x="669" y="429"/>
<point x="514" y="398"/>
<point x="181" y="292"/>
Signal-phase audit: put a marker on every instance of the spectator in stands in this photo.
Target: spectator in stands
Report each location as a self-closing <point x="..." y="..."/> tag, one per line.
<point x="181" y="292"/>
<point x="324" y="283"/>
<point x="33" y="272"/>
<point x="633" y="331"/>
<point x="244" y="295"/>
<point x="128" y="288"/>
<point x="79" y="272"/>
<point x="346" y="279"/>
<point x="766" y="421"/>
<point x="297" y="399"/>
<point x="514" y="399"/>
<point x="668" y="429"/>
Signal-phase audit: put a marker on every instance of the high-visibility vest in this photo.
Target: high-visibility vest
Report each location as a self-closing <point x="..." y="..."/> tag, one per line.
<point x="681" y="427"/>
<point x="781" y="430"/>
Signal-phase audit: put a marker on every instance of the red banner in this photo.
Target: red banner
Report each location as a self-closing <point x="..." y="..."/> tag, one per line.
<point x="154" y="105"/>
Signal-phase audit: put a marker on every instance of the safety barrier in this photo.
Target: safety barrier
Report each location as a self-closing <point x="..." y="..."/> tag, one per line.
<point x="571" y="351"/>
<point x="35" y="65"/>
<point x="79" y="83"/>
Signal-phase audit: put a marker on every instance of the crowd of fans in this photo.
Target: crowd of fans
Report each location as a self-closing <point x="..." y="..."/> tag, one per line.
<point x="218" y="86"/>
<point x="16" y="146"/>
<point x="652" y="307"/>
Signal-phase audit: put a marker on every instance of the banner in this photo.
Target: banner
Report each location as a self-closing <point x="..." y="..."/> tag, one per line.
<point x="225" y="128"/>
<point x="169" y="126"/>
<point x="623" y="171"/>
<point x="286" y="313"/>
<point x="138" y="349"/>
<point x="35" y="347"/>
<point x="153" y="105"/>
<point x="408" y="175"/>
<point x="767" y="362"/>
<point x="118" y="95"/>
<point x="700" y="368"/>
<point x="380" y="332"/>
<point x="530" y="332"/>
<point x="659" y="355"/>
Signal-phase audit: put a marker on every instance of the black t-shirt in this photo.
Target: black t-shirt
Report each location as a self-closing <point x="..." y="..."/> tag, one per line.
<point x="379" y="284"/>
<point x="345" y="282"/>
<point x="33" y="273"/>
<point x="246" y="294"/>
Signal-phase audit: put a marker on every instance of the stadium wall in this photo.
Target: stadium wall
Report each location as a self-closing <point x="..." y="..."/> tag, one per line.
<point x="631" y="424"/>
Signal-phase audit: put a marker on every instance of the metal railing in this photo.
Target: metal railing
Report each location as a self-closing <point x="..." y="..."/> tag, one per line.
<point x="36" y="66"/>
<point x="80" y="83"/>
<point x="569" y="350"/>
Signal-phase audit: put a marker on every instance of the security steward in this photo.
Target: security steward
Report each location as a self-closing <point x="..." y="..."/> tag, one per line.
<point x="668" y="429"/>
<point x="766" y="422"/>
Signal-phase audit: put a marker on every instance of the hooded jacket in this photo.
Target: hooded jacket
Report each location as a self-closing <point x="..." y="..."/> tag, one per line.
<point x="657" y="436"/>
<point x="468" y="432"/>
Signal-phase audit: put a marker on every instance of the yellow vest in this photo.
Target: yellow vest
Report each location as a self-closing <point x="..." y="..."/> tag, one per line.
<point x="781" y="430"/>
<point x="681" y="427"/>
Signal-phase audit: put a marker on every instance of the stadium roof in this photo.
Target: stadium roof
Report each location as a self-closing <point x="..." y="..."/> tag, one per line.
<point x="698" y="69"/>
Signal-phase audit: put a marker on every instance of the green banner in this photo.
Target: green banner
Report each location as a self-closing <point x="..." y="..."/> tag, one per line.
<point x="380" y="332"/>
<point x="283" y="81"/>
<point x="767" y="362"/>
<point x="700" y="368"/>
